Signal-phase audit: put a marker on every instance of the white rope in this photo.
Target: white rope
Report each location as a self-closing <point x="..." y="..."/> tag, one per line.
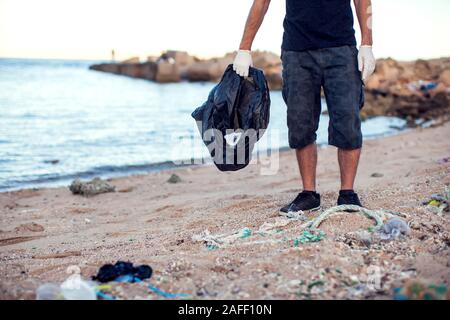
<point x="377" y="215"/>
<point x="267" y="228"/>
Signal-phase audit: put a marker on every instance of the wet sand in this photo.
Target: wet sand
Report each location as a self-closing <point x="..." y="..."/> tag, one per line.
<point x="151" y="221"/>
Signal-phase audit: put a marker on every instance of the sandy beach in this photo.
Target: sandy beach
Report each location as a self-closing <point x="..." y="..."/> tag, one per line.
<point x="148" y="220"/>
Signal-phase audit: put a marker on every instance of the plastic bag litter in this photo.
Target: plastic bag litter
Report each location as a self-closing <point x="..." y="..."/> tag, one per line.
<point x="49" y="291"/>
<point x="74" y="288"/>
<point x="234" y="118"/>
<point x="393" y="229"/>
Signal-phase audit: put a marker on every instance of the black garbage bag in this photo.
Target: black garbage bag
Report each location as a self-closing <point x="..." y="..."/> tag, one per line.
<point x="234" y="118"/>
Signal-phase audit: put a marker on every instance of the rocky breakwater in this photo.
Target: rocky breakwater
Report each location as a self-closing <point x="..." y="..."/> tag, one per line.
<point x="410" y="90"/>
<point x="175" y="66"/>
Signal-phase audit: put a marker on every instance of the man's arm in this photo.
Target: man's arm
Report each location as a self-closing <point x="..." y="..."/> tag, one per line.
<point x="254" y="21"/>
<point x="364" y="13"/>
<point x="366" y="60"/>
<point x="243" y="59"/>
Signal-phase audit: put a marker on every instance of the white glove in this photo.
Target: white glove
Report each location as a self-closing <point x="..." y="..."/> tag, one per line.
<point x="366" y="61"/>
<point x="242" y="62"/>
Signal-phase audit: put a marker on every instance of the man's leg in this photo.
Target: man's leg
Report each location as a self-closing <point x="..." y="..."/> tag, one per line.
<point x="348" y="165"/>
<point x="307" y="163"/>
<point x="301" y="92"/>
<point x="344" y="93"/>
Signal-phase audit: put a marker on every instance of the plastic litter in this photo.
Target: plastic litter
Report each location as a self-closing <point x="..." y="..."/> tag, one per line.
<point x="422" y="86"/>
<point x="309" y="236"/>
<point x="105" y="296"/>
<point x="393" y="229"/>
<point x="245" y="233"/>
<point x="49" y="291"/>
<point x="234" y="118"/>
<point x="109" y="272"/>
<point x="417" y="290"/>
<point x="75" y="288"/>
<point x="213" y="242"/>
<point x="439" y="203"/>
<point x="376" y="215"/>
<point x="168" y="294"/>
<point x="299" y="215"/>
<point x="444" y="160"/>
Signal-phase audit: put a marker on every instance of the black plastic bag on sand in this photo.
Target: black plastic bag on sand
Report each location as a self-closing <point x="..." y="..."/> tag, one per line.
<point x="234" y="118"/>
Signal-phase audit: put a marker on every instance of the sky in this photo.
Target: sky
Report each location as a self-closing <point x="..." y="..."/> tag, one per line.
<point x="90" y="29"/>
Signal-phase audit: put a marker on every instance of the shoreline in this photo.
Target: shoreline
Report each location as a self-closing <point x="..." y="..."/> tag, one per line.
<point x="115" y="172"/>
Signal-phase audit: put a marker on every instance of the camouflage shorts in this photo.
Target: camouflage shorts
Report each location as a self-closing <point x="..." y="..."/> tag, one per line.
<point x="336" y="70"/>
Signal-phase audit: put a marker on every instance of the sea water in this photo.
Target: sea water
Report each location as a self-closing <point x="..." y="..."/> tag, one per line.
<point x="59" y="120"/>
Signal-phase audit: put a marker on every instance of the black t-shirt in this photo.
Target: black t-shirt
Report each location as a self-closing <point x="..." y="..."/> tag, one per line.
<point x="317" y="24"/>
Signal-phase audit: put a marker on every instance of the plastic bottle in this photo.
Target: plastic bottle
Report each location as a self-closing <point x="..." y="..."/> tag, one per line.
<point x="76" y="288"/>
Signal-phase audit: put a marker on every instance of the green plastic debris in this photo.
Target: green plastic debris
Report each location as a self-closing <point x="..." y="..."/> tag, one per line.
<point x="245" y="233"/>
<point x="212" y="247"/>
<point x="309" y="236"/>
<point x="434" y="203"/>
<point x="439" y="203"/>
<point x="315" y="283"/>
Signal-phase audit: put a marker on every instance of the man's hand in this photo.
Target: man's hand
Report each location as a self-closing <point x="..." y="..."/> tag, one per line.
<point x="242" y="62"/>
<point x="366" y="62"/>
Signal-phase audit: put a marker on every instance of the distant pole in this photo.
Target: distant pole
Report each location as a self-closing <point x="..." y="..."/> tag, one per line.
<point x="113" y="55"/>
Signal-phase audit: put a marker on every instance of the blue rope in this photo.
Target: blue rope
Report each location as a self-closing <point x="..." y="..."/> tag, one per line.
<point x="167" y="294"/>
<point x="105" y="296"/>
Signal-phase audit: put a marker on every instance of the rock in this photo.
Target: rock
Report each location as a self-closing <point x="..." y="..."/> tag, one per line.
<point x="376" y="175"/>
<point x="131" y="70"/>
<point x="148" y="70"/>
<point x="274" y="79"/>
<point x="106" y="67"/>
<point x="444" y="78"/>
<point x="174" y="178"/>
<point x="422" y="70"/>
<point x="181" y="58"/>
<point x="395" y="89"/>
<point x="33" y="227"/>
<point x="440" y="88"/>
<point x="414" y="225"/>
<point x="167" y="71"/>
<point x="204" y="71"/>
<point x="265" y="60"/>
<point x="90" y="188"/>
<point x="133" y="60"/>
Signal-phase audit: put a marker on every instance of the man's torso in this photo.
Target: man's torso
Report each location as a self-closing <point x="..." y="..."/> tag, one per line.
<point x="317" y="24"/>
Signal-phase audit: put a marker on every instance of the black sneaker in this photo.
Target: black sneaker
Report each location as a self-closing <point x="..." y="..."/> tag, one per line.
<point x="348" y="197"/>
<point x="305" y="201"/>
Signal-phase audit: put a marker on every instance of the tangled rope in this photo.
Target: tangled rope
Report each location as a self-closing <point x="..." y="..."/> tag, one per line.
<point x="224" y="240"/>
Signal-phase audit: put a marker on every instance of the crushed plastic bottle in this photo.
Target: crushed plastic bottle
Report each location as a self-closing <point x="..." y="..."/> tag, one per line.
<point x="75" y="288"/>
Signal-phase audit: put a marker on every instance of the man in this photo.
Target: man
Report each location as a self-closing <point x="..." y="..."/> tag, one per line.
<point x="319" y="51"/>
